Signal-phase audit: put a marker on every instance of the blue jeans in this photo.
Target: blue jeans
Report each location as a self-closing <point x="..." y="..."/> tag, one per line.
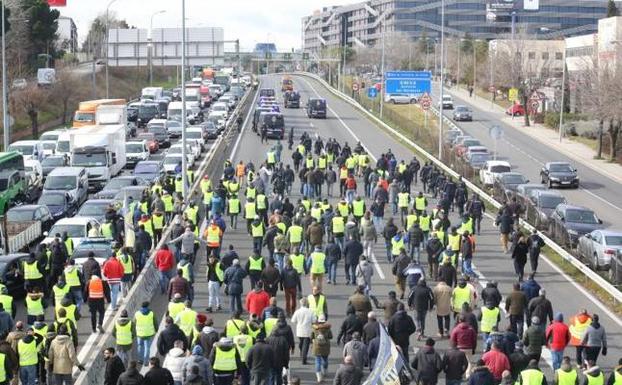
<point x="350" y="195"/>
<point x="415" y="251"/>
<point x="165" y="276"/>
<point x="389" y="247"/>
<point x="28" y="374"/>
<point x="257" y="244"/>
<point x="236" y="302"/>
<point x="466" y="267"/>
<point x="340" y="240"/>
<point x="114" y="294"/>
<point x="321" y="362"/>
<point x="332" y="272"/>
<point x="378" y="222"/>
<point x="453" y="382"/>
<point x="77" y="296"/>
<point x="143" y="347"/>
<point x="556" y="357"/>
<point x="280" y="261"/>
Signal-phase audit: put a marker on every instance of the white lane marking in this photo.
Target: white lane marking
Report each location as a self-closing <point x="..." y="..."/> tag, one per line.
<point x="601" y="199"/>
<point x="248" y="115"/>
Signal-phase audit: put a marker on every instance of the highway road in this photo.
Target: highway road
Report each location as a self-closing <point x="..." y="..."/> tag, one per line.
<point x="527" y="155"/>
<point x="346" y="124"/>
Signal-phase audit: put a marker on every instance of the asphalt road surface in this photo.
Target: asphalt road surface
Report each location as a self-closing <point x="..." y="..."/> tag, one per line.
<point x="527" y="155"/>
<point x="348" y="125"/>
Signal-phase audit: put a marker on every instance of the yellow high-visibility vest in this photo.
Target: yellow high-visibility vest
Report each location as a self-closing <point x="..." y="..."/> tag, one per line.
<point x="207" y="197"/>
<point x="71" y="276"/>
<point x="403" y="199"/>
<point x="460" y="296"/>
<point x="295" y="234"/>
<point x="7" y="301"/>
<point x="249" y="210"/>
<point x="191" y="213"/>
<point x="489" y="319"/>
<point x="531" y="377"/>
<point x="343" y="209"/>
<point x="397" y="246"/>
<point x="167" y="199"/>
<point x="2" y="370"/>
<point x="34" y="306"/>
<point x="271" y="157"/>
<point x="358" y="208"/>
<point x="567" y="378"/>
<point x="255" y="264"/>
<point x="234" y="206"/>
<point x="262" y="203"/>
<point x="309" y="162"/>
<point x="420" y="203"/>
<point x="213" y="235"/>
<point x="144" y="324"/>
<point x="424" y="222"/>
<point x="411" y="219"/>
<point x="158" y="221"/>
<point x="124" y="333"/>
<point x="70" y="311"/>
<point x="186" y="320"/>
<point x="69" y="246"/>
<point x="243" y="344"/>
<point x="454" y="241"/>
<point x="298" y="262"/>
<point x="317" y="262"/>
<point x="59" y="294"/>
<point x="106" y="230"/>
<point x="316" y="212"/>
<point x="338" y="225"/>
<point x="269" y="324"/>
<point x="343" y="173"/>
<point x="224" y="360"/>
<point x="27" y="353"/>
<point x="174" y="308"/>
<point x="251" y="192"/>
<point x="127" y="262"/>
<point x="233" y="326"/>
<point x="257" y="230"/>
<point x="31" y="271"/>
<point x="317" y="308"/>
<point x="598" y="380"/>
<point x="321" y="163"/>
<point x="179" y="186"/>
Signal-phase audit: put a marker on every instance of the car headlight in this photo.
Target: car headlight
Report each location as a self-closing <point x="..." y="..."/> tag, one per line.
<point x="554" y="179"/>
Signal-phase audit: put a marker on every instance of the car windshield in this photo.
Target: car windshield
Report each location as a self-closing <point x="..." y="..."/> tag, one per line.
<point x="119" y="183"/>
<point x="134" y="147"/>
<point x="147" y="110"/>
<point x="499" y="169"/>
<point x="89" y="160"/>
<point x="49" y="145"/>
<point x="146" y="169"/>
<point x="462" y="109"/>
<point x="84" y="117"/>
<point x="52" y="199"/>
<point x="172" y="160"/>
<point x="479" y="157"/>
<point x="550" y="202"/>
<point x="94" y="209"/>
<point x="145" y="136"/>
<point x="53" y="162"/>
<point x="560" y="168"/>
<point x="73" y="231"/>
<point x="471" y="142"/>
<point x="613" y="240"/>
<point x="50" y="136"/>
<point x="83" y="251"/>
<point x="446" y="98"/>
<point x="581" y="216"/>
<point x="62" y="146"/>
<point x="194" y="135"/>
<point x="513" y="179"/>
<point x="24" y="149"/>
<point x="19" y="215"/>
<point x="60" y="182"/>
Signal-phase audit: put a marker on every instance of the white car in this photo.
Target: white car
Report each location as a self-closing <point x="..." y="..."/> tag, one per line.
<point x="196" y="133"/>
<point x="220" y="108"/>
<point x="491" y="170"/>
<point x="136" y="150"/>
<point x="30" y="149"/>
<point x="229" y="100"/>
<point x="400" y="99"/>
<point x="49" y="147"/>
<point x="52" y="135"/>
<point x="197" y="147"/>
<point x="447" y="103"/>
<point x="215" y="90"/>
<point x="176" y="149"/>
<point x="599" y="247"/>
<point x="170" y="162"/>
<point x="77" y="228"/>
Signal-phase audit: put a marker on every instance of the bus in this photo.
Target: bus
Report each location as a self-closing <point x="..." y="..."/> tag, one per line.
<point x="12" y="179"/>
<point x="85" y="115"/>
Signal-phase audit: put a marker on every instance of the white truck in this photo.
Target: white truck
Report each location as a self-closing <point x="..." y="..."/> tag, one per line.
<point x="101" y="149"/>
<point x="491" y="169"/>
<point x="151" y="93"/>
<point x="19" y="236"/>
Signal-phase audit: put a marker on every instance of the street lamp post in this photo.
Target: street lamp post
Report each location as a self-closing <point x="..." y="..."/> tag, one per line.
<point x="151" y="46"/>
<point x="184" y="179"/>
<point x="382" y="75"/>
<point x="5" y="106"/>
<point x="561" y="109"/>
<point x="106" y="47"/>
<point x="440" y="115"/>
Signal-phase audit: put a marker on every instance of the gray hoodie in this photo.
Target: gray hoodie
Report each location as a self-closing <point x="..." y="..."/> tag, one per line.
<point x="595" y="336"/>
<point x="205" y="369"/>
<point x="358" y="351"/>
<point x="187" y="241"/>
<point x="364" y="272"/>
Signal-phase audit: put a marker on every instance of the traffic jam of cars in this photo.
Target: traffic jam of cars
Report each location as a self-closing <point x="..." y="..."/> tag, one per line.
<point x="72" y="180"/>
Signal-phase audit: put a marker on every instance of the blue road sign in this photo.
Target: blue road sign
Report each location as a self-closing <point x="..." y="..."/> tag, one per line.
<point x="372" y="92"/>
<point x="408" y="82"/>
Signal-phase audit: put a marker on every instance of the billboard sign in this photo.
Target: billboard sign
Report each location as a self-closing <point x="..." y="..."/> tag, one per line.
<point x="408" y="82"/>
<point x="531" y="5"/>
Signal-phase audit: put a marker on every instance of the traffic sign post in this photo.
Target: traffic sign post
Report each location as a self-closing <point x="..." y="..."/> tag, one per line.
<point x="425" y="101"/>
<point x="372" y="92"/>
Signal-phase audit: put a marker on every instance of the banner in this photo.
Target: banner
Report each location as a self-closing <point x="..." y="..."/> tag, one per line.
<point x="531" y="5"/>
<point x="57" y="3"/>
<point x="389" y="363"/>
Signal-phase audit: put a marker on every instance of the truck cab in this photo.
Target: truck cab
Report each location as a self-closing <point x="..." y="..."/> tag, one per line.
<point x="12" y="186"/>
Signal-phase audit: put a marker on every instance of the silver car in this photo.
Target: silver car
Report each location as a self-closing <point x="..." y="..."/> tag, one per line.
<point x="400" y="99"/>
<point x="463" y="113"/>
<point x="599" y="247"/>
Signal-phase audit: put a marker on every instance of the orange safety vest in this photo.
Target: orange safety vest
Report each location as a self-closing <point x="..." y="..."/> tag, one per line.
<point x="213" y="236"/>
<point x="577" y="329"/>
<point x="96" y="288"/>
<point x="239" y="170"/>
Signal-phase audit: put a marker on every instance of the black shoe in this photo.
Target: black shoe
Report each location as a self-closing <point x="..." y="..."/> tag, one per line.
<point x="209" y="309"/>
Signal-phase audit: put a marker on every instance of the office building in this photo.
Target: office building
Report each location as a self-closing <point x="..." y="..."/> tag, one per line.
<point x="67" y="35"/>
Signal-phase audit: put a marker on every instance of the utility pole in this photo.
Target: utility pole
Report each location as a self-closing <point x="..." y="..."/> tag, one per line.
<point x="382" y="74"/>
<point x="440" y="117"/>
<point x="5" y="104"/>
<point x="184" y="178"/>
<point x="561" y="109"/>
<point x="106" y="47"/>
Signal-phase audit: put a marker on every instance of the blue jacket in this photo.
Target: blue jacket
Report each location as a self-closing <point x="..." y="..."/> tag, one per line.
<point x="234" y="279"/>
<point x="531" y="289"/>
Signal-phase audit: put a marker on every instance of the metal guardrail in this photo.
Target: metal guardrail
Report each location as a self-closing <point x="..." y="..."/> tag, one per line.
<point x="147" y="285"/>
<point x="589" y="273"/>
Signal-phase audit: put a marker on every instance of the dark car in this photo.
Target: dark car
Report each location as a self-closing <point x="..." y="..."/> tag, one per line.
<point x="267" y="92"/>
<point x="316" y="108"/>
<point x="51" y="162"/>
<point x="463" y="113"/>
<point x="9" y="266"/>
<point x="149" y="170"/>
<point x="274" y="123"/>
<point x="146" y="112"/>
<point x="96" y="208"/>
<point x="506" y="183"/>
<point x="112" y="188"/>
<point x="559" y="174"/>
<point x="132" y="114"/>
<point x="59" y="203"/>
<point x="568" y="223"/>
<point x="541" y="205"/>
<point x="210" y="130"/>
<point x="524" y="191"/>
<point x="477" y="160"/>
<point x="257" y="113"/>
<point x="292" y="99"/>
<point x="160" y="134"/>
<point x="30" y="213"/>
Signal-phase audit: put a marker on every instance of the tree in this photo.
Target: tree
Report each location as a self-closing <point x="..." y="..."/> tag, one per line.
<point x="42" y="26"/>
<point x="30" y="100"/>
<point x="68" y="89"/>
<point x="96" y="38"/>
<point x="612" y="9"/>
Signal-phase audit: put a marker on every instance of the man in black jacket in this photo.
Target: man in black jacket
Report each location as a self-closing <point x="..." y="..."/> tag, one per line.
<point x="350" y="324"/>
<point x="455" y="364"/>
<point x="133" y="377"/>
<point x="259" y="360"/>
<point x="422" y="300"/>
<point x="427" y="363"/>
<point x="114" y="367"/>
<point x="169" y="335"/>
<point x="401" y="326"/>
<point x="157" y="375"/>
<point x="352" y="252"/>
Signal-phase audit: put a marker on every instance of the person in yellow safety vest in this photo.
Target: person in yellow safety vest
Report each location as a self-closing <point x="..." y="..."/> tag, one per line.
<point x="420" y="203"/>
<point x="234" y="325"/>
<point x="424" y="223"/>
<point x="298" y="262"/>
<point x="144" y="205"/>
<point x="32" y="271"/>
<point x="250" y="212"/>
<point x="567" y="375"/>
<point x="343" y="208"/>
<point x="398" y="243"/>
<point x="489" y="317"/>
<point x="270" y="322"/>
<point x="453" y="239"/>
<point x="461" y="294"/>
<point x="233" y="209"/>
<point x="124" y="335"/>
<point x="322" y="162"/>
<point x="262" y="206"/>
<point x="146" y="221"/>
<point x="205" y="184"/>
<point x="233" y="188"/>
<point x="71" y="310"/>
<point x="317" y="266"/>
<point x="243" y="343"/>
<point x="401" y="167"/>
<point x="306" y="204"/>
<point x="403" y="202"/>
<point x="309" y="162"/>
<point x="68" y="243"/>
<point x="301" y="149"/>
<point x="157" y="221"/>
<point x="466" y="224"/>
<point x="338" y="229"/>
<point x="316" y="211"/>
<point x="225" y="360"/>
<point x="207" y="201"/>
<point x="214" y="275"/>
<point x="577" y="327"/>
<point x="213" y="236"/>
<point x="271" y="158"/>
<point x="440" y="234"/>
<point x="532" y="375"/>
<point x="179" y="186"/>
<point x="251" y="192"/>
<point x="186" y="319"/>
<point x="257" y="231"/>
<point x="28" y="354"/>
<point x="363" y="162"/>
<point x="317" y="302"/>
<point x="351" y="164"/>
<point x="190" y="176"/>
<point x="146" y="326"/>
<point x="35" y="305"/>
<point x="192" y="212"/>
<point x="60" y="290"/>
<point x="294" y="235"/>
<point x="175" y="306"/>
<point x="156" y="188"/>
<point x="129" y="268"/>
<point x="250" y="176"/>
<point x="7" y="301"/>
<point x="411" y="219"/>
<point x="254" y="267"/>
<point x="358" y="208"/>
<point x="167" y="199"/>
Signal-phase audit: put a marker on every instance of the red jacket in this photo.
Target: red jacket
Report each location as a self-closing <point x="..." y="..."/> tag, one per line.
<point x="464" y="336"/>
<point x="113" y="270"/>
<point x="557" y="336"/>
<point x="164" y="260"/>
<point x="256" y="301"/>
<point x="497" y="362"/>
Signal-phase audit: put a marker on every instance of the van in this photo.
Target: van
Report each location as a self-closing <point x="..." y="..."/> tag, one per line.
<point x="151" y="93"/>
<point x="193" y="95"/>
<point x="316" y="108"/>
<point x="63" y="146"/>
<point x="72" y="180"/>
<point x="30" y="149"/>
<point x="274" y="123"/>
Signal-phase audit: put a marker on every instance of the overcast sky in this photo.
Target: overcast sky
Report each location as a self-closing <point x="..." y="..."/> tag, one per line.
<point x="251" y="21"/>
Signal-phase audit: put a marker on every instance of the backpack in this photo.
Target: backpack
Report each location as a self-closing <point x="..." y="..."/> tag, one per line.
<point x="321" y="339"/>
<point x="476" y="208"/>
